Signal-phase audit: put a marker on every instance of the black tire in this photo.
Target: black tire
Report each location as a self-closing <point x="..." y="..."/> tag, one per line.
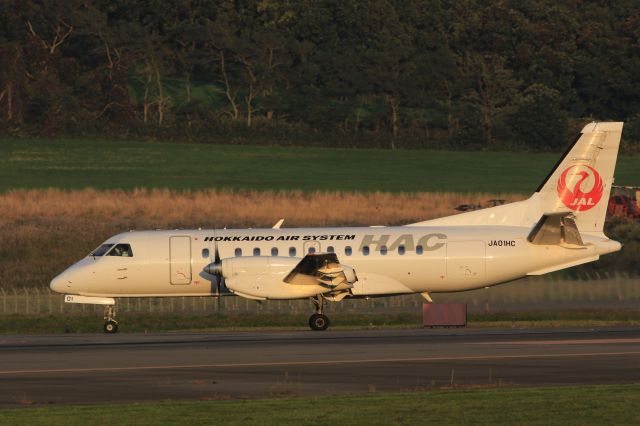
<point x="319" y="322"/>
<point x="110" y="327"/>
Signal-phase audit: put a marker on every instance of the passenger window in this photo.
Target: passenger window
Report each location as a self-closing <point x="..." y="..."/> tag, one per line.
<point x="292" y="251"/>
<point x="205" y="253"/>
<point x="238" y="252"/>
<point x="311" y="250"/>
<point x="365" y="250"/>
<point x="274" y="251"/>
<point x="100" y="251"/>
<point x="383" y="250"/>
<point x="419" y="250"/>
<point x="347" y="250"/>
<point x="256" y="251"/>
<point x="122" y="250"/>
<point x="330" y="249"/>
<point x="400" y="250"/>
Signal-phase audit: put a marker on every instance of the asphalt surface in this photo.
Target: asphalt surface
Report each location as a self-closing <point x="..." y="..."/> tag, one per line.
<point x="121" y="368"/>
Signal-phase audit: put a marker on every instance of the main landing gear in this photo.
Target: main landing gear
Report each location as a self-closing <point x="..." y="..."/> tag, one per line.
<point x="318" y="321"/>
<point x="110" y="324"/>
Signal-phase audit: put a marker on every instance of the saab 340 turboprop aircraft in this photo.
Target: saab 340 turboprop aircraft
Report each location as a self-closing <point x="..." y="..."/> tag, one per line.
<point x="559" y="226"/>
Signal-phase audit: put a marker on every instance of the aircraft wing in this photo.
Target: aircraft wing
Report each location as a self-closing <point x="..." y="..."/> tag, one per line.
<point x="324" y="269"/>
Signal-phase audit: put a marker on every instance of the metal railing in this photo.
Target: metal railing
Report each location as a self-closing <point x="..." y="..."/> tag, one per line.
<point x="614" y="291"/>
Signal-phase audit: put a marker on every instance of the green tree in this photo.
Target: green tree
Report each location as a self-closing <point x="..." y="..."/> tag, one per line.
<point x="539" y="120"/>
<point x="249" y="53"/>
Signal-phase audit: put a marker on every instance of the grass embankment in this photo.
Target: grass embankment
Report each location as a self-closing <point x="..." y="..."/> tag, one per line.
<point x="77" y="164"/>
<point x="19" y="324"/>
<point x="612" y="404"/>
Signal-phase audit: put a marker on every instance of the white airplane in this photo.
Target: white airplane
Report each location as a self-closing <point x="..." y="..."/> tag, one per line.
<point x="559" y="226"/>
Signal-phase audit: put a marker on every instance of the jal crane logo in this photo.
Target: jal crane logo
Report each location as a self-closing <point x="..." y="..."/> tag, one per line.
<point x="577" y="198"/>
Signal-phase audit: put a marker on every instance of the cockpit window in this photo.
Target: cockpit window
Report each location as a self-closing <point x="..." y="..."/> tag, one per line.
<point x="100" y="251"/>
<point x="123" y="250"/>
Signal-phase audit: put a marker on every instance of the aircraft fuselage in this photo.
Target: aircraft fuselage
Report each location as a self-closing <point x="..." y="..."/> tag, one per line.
<point x="386" y="260"/>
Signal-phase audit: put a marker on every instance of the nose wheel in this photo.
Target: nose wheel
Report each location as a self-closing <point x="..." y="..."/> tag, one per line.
<point x="110" y="324"/>
<point x="318" y="321"/>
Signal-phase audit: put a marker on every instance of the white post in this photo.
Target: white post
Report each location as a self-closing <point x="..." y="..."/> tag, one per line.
<point x="38" y="300"/>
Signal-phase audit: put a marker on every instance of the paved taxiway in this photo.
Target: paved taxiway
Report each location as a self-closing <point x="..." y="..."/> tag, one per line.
<point x="64" y="369"/>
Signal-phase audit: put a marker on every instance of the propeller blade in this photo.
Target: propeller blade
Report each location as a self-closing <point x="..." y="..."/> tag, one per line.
<point x="216" y="254"/>
<point x="215" y="268"/>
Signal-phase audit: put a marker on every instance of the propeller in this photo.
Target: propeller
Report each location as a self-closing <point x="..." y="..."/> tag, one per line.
<point x="215" y="268"/>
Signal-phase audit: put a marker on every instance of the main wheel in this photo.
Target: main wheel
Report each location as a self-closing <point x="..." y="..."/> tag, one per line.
<point x="319" y="322"/>
<point x="110" y="326"/>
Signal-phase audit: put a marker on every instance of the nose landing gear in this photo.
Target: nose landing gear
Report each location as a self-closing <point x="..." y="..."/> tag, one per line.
<point x="318" y="321"/>
<point x="110" y="324"/>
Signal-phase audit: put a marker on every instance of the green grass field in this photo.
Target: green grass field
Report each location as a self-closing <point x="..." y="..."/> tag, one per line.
<point x="142" y="323"/>
<point x="73" y="164"/>
<point x="612" y="404"/>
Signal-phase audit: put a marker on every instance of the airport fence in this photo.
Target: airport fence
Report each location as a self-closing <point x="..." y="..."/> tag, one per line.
<point x="610" y="291"/>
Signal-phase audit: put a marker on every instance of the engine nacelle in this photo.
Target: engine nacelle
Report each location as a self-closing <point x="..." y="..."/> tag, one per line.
<point x="262" y="277"/>
<point x="257" y="265"/>
<point x="267" y="286"/>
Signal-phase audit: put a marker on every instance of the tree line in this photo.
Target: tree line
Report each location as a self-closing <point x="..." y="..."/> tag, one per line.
<point x="502" y="74"/>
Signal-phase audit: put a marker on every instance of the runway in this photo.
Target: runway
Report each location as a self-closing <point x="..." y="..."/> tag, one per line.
<point x="80" y="369"/>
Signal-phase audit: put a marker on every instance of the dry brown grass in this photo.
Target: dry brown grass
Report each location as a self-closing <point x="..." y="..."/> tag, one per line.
<point x="166" y="208"/>
<point x="43" y="231"/>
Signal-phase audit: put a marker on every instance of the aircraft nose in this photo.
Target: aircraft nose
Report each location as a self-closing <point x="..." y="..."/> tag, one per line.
<point x="59" y="284"/>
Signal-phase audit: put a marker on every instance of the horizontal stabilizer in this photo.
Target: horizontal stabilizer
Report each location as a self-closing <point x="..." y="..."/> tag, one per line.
<point x="556" y="229"/>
